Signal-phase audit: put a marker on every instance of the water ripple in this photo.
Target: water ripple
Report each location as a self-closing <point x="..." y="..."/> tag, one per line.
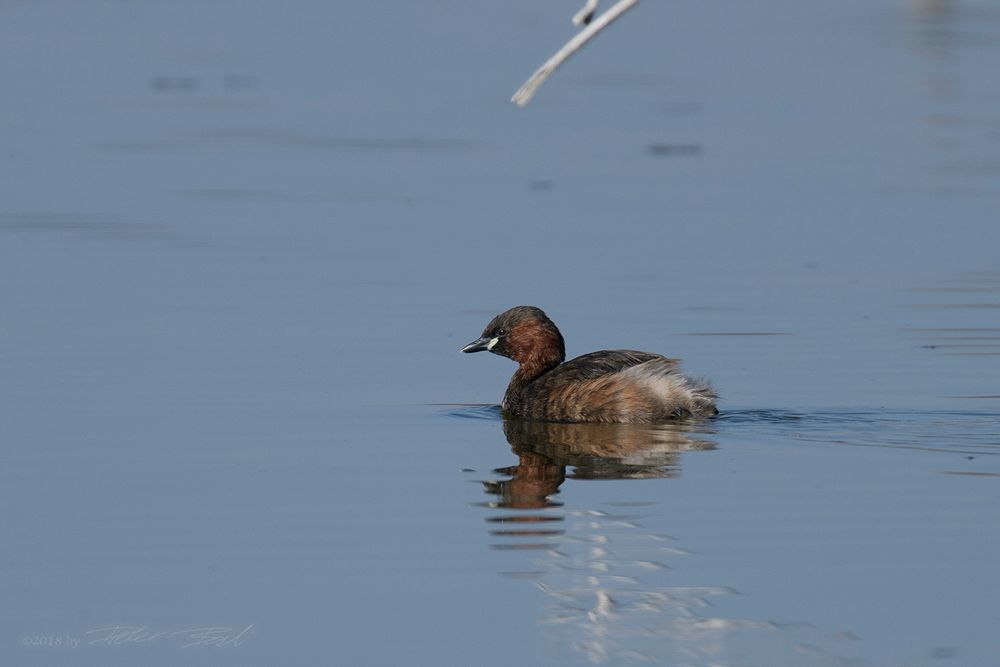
<point x="474" y="411"/>
<point x="973" y="432"/>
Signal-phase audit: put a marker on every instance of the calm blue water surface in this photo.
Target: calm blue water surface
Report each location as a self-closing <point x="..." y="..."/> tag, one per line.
<point x="242" y="242"/>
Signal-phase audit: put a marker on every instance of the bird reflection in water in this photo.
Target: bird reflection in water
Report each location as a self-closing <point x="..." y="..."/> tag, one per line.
<point x="601" y="573"/>
<point x="594" y="451"/>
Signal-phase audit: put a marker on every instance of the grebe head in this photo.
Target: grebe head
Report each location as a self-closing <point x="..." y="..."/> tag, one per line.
<point x="524" y="334"/>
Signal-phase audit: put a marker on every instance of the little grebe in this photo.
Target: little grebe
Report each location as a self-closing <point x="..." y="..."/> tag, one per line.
<point x="605" y="386"/>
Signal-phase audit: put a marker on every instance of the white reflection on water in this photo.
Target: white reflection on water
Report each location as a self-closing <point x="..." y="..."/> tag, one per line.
<point x="604" y="596"/>
<point x="610" y="589"/>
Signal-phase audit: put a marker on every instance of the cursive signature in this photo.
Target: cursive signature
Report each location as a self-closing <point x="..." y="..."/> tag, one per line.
<point x="118" y="635"/>
<point x="218" y="636"/>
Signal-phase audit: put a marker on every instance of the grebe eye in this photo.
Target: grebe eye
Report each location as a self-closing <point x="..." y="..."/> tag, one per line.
<point x="501" y="332"/>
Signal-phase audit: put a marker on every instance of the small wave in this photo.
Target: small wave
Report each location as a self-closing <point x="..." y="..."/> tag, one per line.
<point x="758" y="416"/>
<point x="474" y="411"/>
